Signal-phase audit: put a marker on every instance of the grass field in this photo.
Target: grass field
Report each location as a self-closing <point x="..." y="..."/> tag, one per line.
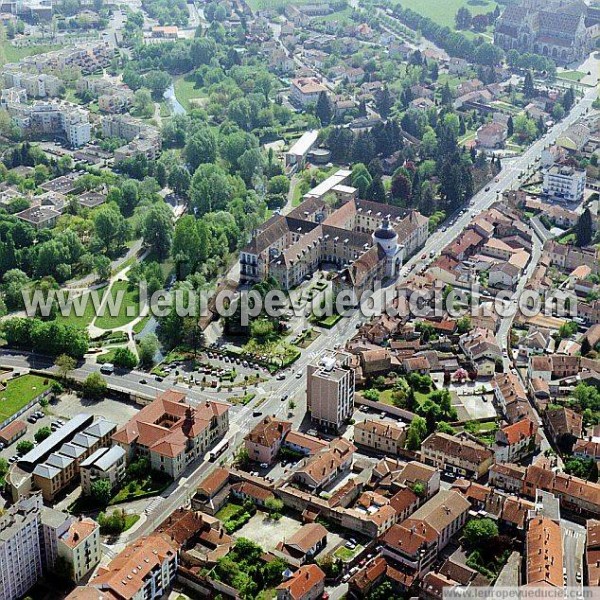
<point x="85" y="319"/>
<point x="571" y="75"/>
<point x="129" y="308"/>
<point x="10" y="53"/>
<point x="443" y="12"/>
<point x="185" y="90"/>
<point x="19" y="392"/>
<point x="277" y="4"/>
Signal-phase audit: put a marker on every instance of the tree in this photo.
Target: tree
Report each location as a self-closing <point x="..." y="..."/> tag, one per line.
<point x="463" y="18"/>
<point x="401" y="186"/>
<point x="446" y="97"/>
<point x="125" y="358"/>
<point x="103" y="267"/>
<point x="251" y="163"/>
<point x="210" y="189"/>
<point x="384" y="103"/>
<point x="147" y="349"/>
<point x="3" y="467"/>
<point x="101" y="491"/>
<point x="584" y="228"/>
<point x="94" y="387"/>
<point x="65" y="364"/>
<point x="41" y="434"/>
<point x="179" y="179"/>
<point x="417" y="431"/>
<point x="188" y="249"/>
<point x="201" y="148"/>
<point x="323" y="109"/>
<point x="24" y="446"/>
<point x="158" y="230"/>
<point x="157" y="82"/>
<point x="273" y="505"/>
<point x="528" y="86"/>
<point x="464" y="324"/>
<point x="479" y="532"/>
<point x="110" y="228"/>
<point x="510" y="127"/>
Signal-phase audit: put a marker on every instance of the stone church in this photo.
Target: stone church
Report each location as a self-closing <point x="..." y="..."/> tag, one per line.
<point x="564" y="30"/>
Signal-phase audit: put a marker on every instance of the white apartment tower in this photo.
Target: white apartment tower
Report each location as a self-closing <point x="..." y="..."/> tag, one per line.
<point x="330" y="390"/>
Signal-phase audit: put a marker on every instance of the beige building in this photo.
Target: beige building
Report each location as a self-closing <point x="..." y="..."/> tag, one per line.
<point x="105" y="463"/>
<point x="79" y="546"/>
<point x="172" y="433"/>
<point x="456" y="455"/>
<point x="323" y="468"/>
<point x="384" y="437"/>
<point x="330" y="390"/>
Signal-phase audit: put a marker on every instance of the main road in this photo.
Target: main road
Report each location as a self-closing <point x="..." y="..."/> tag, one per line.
<point x="241" y="418"/>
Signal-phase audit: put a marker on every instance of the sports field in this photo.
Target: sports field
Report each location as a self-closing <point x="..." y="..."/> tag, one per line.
<point x="444" y="11"/>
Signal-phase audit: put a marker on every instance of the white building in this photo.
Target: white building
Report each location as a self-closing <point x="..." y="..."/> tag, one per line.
<point x="296" y="155"/>
<point x="20" y="548"/>
<point x="564" y="183"/>
<point x="330" y="390"/>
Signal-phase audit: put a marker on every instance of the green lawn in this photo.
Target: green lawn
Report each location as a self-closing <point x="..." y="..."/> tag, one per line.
<point x="345" y="554"/>
<point x="227" y="511"/>
<point x="185" y="90"/>
<point x="140" y="489"/>
<point x="10" y="53"/>
<point x="128" y="310"/>
<point x="86" y="317"/>
<point x="444" y="11"/>
<point x="130" y="521"/>
<point x="571" y="75"/>
<point x="19" y="392"/>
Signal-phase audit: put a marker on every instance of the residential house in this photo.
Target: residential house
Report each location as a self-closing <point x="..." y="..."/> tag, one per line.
<point x="417" y="541"/>
<point x="565" y="427"/>
<point x="323" y="468"/>
<point x="304" y="545"/>
<point x="264" y="441"/>
<point x="307" y="583"/>
<point x="516" y="441"/>
<point x="492" y="135"/>
<point x="544" y="553"/>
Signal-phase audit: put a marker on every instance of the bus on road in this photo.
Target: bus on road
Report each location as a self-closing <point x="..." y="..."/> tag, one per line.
<point x="218" y="450"/>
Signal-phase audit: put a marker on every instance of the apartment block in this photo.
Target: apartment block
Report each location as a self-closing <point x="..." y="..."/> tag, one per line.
<point x="144" y="570"/>
<point x="54" y="464"/>
<point x="20" y="548"/>
<point x="564" y="183"/>
<point x="330" y="390"/>
<point x="79" y="546"/>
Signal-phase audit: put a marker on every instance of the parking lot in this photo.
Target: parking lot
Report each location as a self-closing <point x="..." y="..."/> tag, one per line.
<point x="64" y="409"/>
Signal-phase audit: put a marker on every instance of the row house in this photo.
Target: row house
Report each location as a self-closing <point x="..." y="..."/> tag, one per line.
<point x="456" y="455"/>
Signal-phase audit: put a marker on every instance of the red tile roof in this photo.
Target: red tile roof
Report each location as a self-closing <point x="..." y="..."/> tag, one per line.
<point x="302" y="581"/>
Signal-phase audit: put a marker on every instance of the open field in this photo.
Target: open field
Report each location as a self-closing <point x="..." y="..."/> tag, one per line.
<point x="10" y="53"/>
<point x="85" y="319"/>
<point x="444" y="12"/>
<point x="129" y="308"/>
<point x="19" y="392"/>
<point x="185" y="91"/>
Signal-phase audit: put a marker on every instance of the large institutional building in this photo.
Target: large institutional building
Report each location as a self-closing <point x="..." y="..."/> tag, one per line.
<point x="365" y="240"/>
<point x="561" y="29"/>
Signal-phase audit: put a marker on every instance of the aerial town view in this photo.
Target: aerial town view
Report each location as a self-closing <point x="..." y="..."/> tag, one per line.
<point x="299" y="299"/>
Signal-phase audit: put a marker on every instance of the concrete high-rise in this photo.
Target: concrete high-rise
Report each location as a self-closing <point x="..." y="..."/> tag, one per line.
<point x="330" y="390"/>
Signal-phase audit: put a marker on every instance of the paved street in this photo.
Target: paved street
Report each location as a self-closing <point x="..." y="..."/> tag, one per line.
<point x="573" y="549"/>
